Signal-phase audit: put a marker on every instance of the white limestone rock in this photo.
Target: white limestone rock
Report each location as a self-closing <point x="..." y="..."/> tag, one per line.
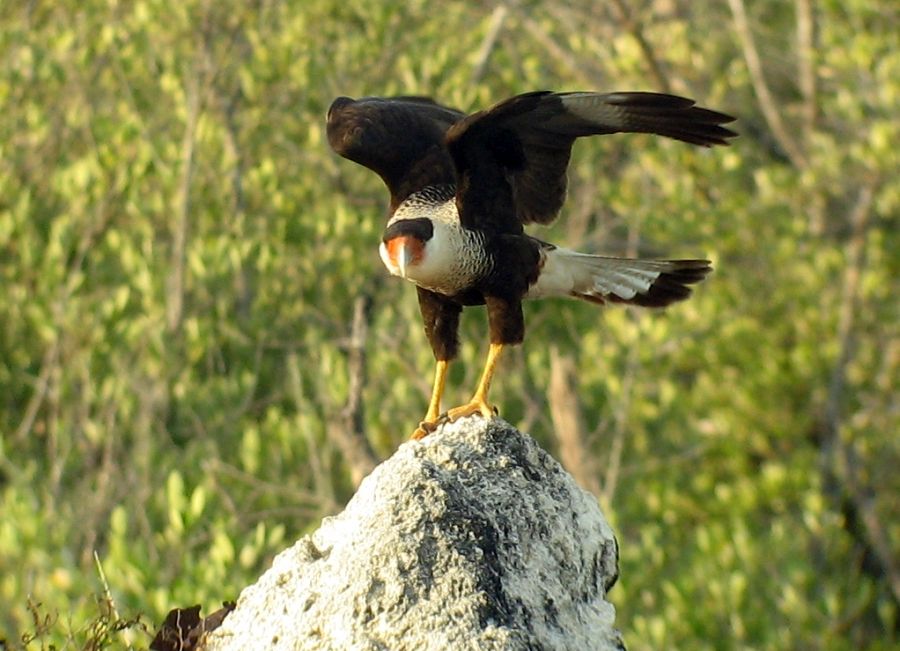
<point x="473" y="538"/>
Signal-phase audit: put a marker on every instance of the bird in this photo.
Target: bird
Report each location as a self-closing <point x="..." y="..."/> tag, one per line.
<point x="464" y="186"/>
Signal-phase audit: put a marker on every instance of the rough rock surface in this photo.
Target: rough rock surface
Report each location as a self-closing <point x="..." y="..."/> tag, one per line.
<point x="473" y="538"/>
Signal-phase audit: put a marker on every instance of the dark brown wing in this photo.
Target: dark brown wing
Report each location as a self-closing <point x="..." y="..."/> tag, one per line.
<point x="399" y="138"/>
<point x="525" y="142"/>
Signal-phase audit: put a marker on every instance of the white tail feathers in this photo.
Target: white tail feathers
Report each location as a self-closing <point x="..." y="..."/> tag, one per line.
<point x="596" y="278"/>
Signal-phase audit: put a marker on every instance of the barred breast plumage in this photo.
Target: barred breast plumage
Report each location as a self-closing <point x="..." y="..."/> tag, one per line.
<point x="455" y="257"/>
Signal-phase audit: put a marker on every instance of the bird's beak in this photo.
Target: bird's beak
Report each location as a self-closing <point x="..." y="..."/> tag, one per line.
<point x="400" y="253"/>
<point x="404" y="257"/>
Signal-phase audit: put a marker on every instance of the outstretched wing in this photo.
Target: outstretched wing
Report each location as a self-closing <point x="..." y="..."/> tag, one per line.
<point x="399" y="138"/>
<point x="525" y="143"/>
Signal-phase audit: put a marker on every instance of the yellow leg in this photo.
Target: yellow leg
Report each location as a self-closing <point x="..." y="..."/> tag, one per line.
<point x="479" y="403"/>
<point x="434" y="406"/>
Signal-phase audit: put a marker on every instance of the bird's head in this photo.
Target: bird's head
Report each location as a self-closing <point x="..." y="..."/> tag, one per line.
<point x="403" y="245"/>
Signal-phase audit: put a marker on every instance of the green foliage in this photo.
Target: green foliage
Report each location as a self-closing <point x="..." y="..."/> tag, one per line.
<point x="180" y="253"/>
<point x="105" y="629"/>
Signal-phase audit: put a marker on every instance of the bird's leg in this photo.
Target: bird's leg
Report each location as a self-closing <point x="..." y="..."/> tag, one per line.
<point x="428" y="425"/>
<point x="441" y="319"/>
<point x="479" y="403"/>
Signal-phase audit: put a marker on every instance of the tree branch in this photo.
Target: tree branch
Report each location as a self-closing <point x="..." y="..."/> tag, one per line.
<point x="498" y="17"/>
<point x="41" y="387"/>
<point x="636" y="30"/>
<point x="620" y="412"/>
<point x="620" y="419"/>
<point x="568" y="421"/>
<point x="349" y="430"/>
<point x="808" y="84"/>
<point x="806" y="72"/>
<point x="840" y="460"/>
<point x="767" y="104"/>
<point x="175" y="281"/>
<point x="575" y="67"/>
<point x="321" y="480"/>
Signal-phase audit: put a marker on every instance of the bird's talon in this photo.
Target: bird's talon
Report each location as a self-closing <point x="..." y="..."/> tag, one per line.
<point x="426" y="427"/>
<point x="480" y="407"/>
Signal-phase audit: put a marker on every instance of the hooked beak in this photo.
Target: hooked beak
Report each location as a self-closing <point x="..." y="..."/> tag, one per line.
<point x="399" y="253"/>
<point x="404" y="257"/>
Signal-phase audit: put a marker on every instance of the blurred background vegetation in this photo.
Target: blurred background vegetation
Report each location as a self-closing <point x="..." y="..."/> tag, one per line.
<point x="200" y="352"/>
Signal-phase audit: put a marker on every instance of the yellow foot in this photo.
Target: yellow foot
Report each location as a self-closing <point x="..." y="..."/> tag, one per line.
<point x="426" y="427"/>
<point x="475" y="407"/>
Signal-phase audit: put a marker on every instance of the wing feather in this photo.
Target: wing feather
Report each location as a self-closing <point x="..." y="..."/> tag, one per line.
<point x="528" y="140"/>
<point x="399" y="138"/>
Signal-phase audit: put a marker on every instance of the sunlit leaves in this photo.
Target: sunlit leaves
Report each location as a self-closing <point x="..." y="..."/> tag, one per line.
<point x="187" y="455"/>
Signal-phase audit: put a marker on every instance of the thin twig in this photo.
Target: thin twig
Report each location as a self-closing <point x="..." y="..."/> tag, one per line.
<point x="216" y="467"/>
<point x="839" y="457"/>
<point x="849" y="299"/>
<point x="41" y="387"/>
<point x="568" y="421"/>
<point x="807" y="82"/>
<point x="498" y="17"/>
<point x="620" y="420"/>
<point x="633" y="27"/>
<point x="349" y="430"/>
<point x="106" y="591"/>
<point x="320" y="478"/>
<point x="767" y="104"/>
<point x="575" y="67"/>
<point x="620" y="412"/>
<point x="806" y="71"/>
<point x="175" y="284"/>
